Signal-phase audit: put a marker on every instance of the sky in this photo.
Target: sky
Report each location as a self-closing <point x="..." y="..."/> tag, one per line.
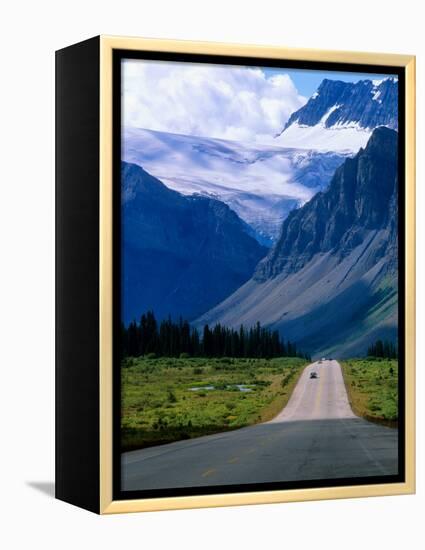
<point x="217" y="101"/>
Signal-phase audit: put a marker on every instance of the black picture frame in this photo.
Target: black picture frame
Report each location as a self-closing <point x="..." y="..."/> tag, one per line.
<point x="118" y="56"/>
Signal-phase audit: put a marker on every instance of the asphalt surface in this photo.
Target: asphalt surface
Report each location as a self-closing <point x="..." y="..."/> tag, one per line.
<point x="316" y="436"/>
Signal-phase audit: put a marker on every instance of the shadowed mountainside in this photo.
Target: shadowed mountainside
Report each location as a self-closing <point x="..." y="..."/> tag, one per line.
<point x="181" y="254"/>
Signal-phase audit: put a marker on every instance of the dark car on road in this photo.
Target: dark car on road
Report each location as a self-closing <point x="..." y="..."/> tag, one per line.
<point x="313" y="374"/>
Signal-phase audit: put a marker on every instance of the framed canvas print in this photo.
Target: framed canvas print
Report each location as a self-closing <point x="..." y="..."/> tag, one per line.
<point x="235" y="274"/>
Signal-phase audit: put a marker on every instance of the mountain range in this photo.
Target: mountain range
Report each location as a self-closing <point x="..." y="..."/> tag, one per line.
<point x="300" y="236"/>
<point x="330" y="281"/>
<point x="181" y="255"/>
<point x="342" y="115"/>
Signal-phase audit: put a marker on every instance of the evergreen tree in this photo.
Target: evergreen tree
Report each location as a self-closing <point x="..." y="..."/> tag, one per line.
<point x="385" y="349"/>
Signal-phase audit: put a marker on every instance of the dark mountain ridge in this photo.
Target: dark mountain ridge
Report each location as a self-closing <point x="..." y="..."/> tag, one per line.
<point x="181" y="254"/>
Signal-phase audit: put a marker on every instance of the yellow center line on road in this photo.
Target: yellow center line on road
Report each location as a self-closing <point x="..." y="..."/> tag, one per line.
<point x="318" y="395"/>
<point x="208" y="473"/>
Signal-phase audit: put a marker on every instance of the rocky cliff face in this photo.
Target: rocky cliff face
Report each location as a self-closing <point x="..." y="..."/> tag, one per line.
<point x="330" y="282"/>
<point x="181" y="255"/>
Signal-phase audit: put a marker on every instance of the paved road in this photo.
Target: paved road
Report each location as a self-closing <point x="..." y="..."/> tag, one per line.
<point x="318" y="399"/>
<point x="316" y="436"/>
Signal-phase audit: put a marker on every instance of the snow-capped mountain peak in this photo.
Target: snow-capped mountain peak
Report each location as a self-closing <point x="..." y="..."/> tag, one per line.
<point x="342" y="115"/>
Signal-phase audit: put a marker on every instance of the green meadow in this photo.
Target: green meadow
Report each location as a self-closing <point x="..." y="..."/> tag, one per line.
<point x="168" y="399"/>
<point x="372" y="388"/>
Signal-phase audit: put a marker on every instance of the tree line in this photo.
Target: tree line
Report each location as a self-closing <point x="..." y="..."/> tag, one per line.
<point x="381" y="348"/>
<point x="172" y="339"/>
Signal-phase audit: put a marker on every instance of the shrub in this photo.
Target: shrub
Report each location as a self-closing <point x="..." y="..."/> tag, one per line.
<point x="374" y="406"/>
<point x="151" y="355"/>
<point x="171" y="396"/>
<point x="184" y="355"/>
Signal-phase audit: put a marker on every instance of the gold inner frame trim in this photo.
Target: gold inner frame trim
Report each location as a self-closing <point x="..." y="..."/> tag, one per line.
<point x="107" y="504"/>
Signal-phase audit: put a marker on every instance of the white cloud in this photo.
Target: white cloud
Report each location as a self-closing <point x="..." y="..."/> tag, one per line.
<point x="226" y="102"/>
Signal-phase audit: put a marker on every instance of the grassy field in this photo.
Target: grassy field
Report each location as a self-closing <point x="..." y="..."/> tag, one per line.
<point x="372" y="388"/>
<point x="167" y="399"/>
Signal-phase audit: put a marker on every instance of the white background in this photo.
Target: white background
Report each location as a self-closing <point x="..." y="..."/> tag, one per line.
<point x="30" y="32"/>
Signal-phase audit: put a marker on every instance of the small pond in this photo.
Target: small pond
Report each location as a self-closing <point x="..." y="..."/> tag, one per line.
<point x="240" y="387"/>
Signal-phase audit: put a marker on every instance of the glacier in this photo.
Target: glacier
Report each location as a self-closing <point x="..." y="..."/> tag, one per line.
<point x="346" y="138"/>
<point x="261" y="183"/>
